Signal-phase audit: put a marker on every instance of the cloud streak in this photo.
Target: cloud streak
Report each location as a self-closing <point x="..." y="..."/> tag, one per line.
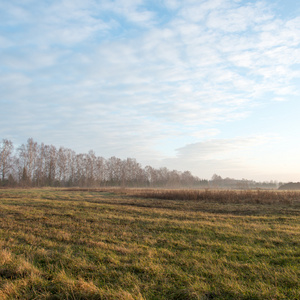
<point x="126" y="77"/>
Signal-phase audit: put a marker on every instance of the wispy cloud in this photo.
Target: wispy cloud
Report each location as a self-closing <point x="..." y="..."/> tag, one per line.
<point x="210" y="149"/>
<point x="126" y="76"/>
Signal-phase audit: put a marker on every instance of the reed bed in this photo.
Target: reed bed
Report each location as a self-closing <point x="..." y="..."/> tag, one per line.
<point x="221" y="196"/>
<point x="257" y="196"/>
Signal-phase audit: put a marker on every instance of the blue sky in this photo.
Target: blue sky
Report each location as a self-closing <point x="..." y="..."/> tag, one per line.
<point x="210" y="86"/>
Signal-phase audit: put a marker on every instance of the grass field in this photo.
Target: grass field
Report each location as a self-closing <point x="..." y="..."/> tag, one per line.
<point x="147" y="244"/>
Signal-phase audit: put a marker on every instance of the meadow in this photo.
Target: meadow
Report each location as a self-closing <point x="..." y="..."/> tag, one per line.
<point x="149" y="244"/>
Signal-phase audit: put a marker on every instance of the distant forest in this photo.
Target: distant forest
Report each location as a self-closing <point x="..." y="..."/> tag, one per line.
<point x="40" y="165"/>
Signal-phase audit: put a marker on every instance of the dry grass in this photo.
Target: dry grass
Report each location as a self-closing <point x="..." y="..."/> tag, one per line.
<point x="149" y="244"/>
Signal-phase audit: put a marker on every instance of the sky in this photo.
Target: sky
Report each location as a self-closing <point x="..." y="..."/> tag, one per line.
<point x="209" y="86"/>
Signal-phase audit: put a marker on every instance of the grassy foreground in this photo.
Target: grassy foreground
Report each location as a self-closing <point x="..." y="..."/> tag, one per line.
<point x="124" y="244"/>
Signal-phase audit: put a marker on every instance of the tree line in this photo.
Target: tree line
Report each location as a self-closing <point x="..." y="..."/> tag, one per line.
<point x="40" y="165"/>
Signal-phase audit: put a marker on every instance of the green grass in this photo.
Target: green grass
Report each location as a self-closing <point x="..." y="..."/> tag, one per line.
<point x="118" y="244"/>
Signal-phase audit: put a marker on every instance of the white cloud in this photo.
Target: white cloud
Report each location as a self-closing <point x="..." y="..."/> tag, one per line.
<point x="217" y="148"/>
<point x="115" y="75"/>
<point x="132" y="10"/>
<point x="197" y="12"/>
<point x="206" y="133"/>
<point x="237" y="157"/>
<point x="172" y="4"/>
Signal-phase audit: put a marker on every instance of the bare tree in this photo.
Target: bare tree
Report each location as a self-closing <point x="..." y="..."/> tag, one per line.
<point x="40" y="171"/>
<point x="100" y="172"/>
<point x="90" y="168"/>
<point x="6" y="160"/>
<point x="28" y="157"/>
<point x="62" y="165"/>
<point x="174" y="178"/>
<point x="114" y="170"/>
<point x="50" y="164"/>
<point x="71" y="162"/>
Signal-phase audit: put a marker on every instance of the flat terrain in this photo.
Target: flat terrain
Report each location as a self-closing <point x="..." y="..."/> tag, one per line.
<point x="146" y="244"/>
